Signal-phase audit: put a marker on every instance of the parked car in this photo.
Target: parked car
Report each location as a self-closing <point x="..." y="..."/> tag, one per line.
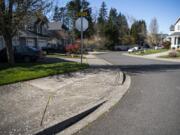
<point x="134" y="49"/>
<point x="53" y="48"/>
<point x="22" y="53"/>
<point x="158" y="47"/>
<point x="146" y="46"/>
<point x="121" y="48"/>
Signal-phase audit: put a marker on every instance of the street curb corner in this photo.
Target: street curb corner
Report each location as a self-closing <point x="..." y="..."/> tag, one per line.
<point x="115" y="98"/>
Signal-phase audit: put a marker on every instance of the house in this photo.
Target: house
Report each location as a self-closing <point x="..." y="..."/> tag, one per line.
<point x="39" y="33"/>
<point x="58" y="34"/>
<point x="174" y="36"/>
<point x="34" y="34"/>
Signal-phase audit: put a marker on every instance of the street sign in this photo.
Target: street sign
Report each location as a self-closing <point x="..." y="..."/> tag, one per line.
<point x="84" y="25"/>
<point x="83" y="14"/>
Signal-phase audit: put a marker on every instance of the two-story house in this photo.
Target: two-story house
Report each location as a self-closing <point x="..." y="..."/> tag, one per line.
<point x="174" y="36"/>
<point x="33" y="33"/>
<point x="39" y="32"/>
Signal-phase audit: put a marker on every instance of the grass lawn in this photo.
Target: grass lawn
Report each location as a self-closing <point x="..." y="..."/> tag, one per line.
<point x="23" y="72"/>
<point x="56" y="55"/>
<point x="149" y="51"/>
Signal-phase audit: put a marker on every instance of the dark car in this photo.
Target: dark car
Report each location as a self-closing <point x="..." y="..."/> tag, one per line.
<point x="121" y="48"/>
<point x="22" y="53"/>
<point x="146" y="46"/>
<point x="53" y="48"/>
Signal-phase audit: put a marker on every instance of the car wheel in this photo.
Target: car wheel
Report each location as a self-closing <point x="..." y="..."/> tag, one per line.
<point x="27" y="59"/>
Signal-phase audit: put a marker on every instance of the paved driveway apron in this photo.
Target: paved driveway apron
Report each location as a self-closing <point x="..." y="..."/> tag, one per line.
<point x="152" y="105"/>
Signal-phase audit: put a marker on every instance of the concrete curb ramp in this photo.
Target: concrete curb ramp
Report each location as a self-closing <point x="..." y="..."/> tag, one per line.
<point x="81" y="120"/>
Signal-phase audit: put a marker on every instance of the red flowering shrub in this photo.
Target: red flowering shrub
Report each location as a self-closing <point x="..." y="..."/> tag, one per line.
<point x="72" y="48"/>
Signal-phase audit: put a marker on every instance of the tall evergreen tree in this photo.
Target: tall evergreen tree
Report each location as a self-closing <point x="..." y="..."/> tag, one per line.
<point x="56" y="16"/>
<point x="111" y="29"/>
<point x="102" y="19"/>
<point x="122" y="27"/>
<point x="74" y="7"/>
<point x="113" y="16"/>
<point x="139" y="31"/>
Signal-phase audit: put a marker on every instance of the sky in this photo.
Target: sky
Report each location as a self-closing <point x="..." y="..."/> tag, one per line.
<point x="166" y="11"/>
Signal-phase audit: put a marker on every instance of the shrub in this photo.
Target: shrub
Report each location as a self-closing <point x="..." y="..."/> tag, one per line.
<point x="173" y="54"/>
<point x="166" y="44"/>
<point x="72" y="48"/>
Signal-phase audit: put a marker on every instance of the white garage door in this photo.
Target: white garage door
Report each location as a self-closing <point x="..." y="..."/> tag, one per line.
<point x="42" y="43"/>
<point x="31" y="42"/>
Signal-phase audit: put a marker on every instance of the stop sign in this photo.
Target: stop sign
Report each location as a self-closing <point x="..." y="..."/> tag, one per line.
<point x="85" y="24"/>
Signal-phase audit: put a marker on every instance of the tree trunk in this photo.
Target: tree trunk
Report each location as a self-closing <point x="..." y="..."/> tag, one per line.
<point x="10" y="51"/>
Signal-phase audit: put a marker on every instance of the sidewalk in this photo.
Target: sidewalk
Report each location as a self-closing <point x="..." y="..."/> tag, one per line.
<point x="43" y="104"/>
<point x="91" y="59"/>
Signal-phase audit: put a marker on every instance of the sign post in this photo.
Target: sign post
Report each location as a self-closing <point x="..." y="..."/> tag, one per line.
<point x="82" y="25"/>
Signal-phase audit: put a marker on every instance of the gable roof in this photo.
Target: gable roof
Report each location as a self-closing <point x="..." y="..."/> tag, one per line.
<point x="30" y="34"/>
<point x="59" y="34"/>
<point x="177" y="21"/>
<point x="54" y="26"/>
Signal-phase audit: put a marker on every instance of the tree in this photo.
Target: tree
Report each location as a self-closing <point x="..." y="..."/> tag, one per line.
<point x="154" y="27"/>
<point x="139" y="31"/>
<point x="111" y="29"/>
<point x="56" y="16"/>
<point x="127" y="40"/>
<point x="61" y="15"/>
<point x="73" y="8"/>
<point x="102" y="19"/>
<point x="153" y="37"/>
<point x="12" y="15"/>
<point x="122" y="27"/>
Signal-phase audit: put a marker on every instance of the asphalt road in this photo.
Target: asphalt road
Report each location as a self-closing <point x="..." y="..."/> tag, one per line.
<point x="152" y="104"/>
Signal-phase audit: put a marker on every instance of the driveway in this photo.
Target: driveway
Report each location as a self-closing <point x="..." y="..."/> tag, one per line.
<point x="152" y="105"/>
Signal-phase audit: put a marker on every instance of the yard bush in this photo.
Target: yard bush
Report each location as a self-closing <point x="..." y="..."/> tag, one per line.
<point x="72" y="48"/>
<point x="173" y="54"/>
<point x="166" y="44"/>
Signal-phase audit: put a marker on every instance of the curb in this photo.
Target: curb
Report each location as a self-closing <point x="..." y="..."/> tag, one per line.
<point x="115" y="98"/>
<point x="125" y="81"/>
<point x="75" y="123"/>
<point x="158" y="59"/>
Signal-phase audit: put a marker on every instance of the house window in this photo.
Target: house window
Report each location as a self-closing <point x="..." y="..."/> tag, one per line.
<point x="175" y="41"/>
<point x="179" y="27"/>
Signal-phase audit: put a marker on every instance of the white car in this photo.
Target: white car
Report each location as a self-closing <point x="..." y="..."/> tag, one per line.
<point x="134" y="49"/>
<point x="158" y="47"/>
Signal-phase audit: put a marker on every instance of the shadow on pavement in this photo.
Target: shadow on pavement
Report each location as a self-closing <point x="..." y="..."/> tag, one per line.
<point x="134" y="69"/>
<point x="67" y="123"/>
